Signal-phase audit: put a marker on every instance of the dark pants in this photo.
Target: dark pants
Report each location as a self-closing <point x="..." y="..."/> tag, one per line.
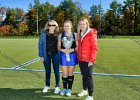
<point x="87" y="77"/>
<point x="54" y="58"/>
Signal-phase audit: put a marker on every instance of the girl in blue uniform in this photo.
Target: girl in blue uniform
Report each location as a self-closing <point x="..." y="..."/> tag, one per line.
<point x="67" y="45"/>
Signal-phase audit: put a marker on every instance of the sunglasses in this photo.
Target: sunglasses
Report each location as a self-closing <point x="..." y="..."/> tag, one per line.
<point x="51" y="25"/>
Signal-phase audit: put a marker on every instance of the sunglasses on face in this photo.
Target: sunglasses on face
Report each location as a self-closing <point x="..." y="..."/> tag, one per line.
<point x="51" y="25"/>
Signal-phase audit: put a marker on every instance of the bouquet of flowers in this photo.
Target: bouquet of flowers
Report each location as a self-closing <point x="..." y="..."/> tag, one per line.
<point x="67" y="43"/>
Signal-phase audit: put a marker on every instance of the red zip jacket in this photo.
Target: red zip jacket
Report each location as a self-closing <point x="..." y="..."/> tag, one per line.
<point x="88" y="47"/>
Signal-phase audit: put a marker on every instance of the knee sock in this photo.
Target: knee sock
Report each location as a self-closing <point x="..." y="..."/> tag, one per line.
<point x="65" y="81"/>
<point x="70" y="81"/>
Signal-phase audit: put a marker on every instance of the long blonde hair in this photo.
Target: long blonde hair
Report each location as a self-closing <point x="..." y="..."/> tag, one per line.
<point x="46" y="28"/>
<point x="78" y="28"/>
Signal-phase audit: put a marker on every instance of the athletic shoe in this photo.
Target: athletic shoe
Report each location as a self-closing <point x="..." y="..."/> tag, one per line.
<point x="46" y="88"/>
<point x="82" y="93"/>
<point x="68" y="92"/>
<point x="63" y="92"/>
<point x="89" y="98"/>
<point x="57" y="90"/>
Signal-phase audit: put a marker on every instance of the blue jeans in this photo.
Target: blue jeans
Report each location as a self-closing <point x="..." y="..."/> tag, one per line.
<point x="54" y="58"/>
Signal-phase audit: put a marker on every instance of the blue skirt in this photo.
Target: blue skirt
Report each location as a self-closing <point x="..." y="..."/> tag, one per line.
<point x="73" y="59"/>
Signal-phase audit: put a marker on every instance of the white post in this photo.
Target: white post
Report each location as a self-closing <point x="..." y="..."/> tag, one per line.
<point x="37" y="21"/>
<point x="36" y="3"/>
<point x="100" y="20"/>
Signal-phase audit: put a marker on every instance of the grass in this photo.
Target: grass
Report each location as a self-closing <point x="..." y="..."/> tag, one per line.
<point x="116" y="56"/>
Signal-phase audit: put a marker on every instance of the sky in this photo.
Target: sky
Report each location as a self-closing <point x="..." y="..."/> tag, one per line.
<point x="86" y="4"/>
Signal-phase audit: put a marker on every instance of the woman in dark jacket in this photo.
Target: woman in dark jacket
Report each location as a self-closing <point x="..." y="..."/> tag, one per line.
<point x="49" y="53"/>
<point x="87" y="52"/>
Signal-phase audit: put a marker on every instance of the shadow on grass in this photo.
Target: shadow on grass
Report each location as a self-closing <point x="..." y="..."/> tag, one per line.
<point x="32" y="94"/>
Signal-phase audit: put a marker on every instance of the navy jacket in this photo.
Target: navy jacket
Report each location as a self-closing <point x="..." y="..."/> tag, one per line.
<point x="42" y="45"/>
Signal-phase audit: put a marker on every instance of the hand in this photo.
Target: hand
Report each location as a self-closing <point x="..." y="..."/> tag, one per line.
<point x="42" y="59"/>
<point x="90" y="64"/>
<point x="70" y="50"/>
<point x="64" y="50"/>
<point x="67" y="51"/>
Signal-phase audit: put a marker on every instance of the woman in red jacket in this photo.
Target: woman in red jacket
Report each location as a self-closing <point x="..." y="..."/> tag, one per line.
<point x="87" y="51"/>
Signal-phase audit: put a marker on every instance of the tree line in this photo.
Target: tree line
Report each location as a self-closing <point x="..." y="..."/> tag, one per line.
<point x="119" y="19"/>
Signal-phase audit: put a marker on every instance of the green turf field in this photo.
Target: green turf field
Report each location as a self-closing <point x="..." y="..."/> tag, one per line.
<point x="116" y="56"/>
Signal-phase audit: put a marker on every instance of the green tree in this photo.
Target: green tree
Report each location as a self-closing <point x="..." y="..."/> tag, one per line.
<point x="10" y="17"/>
<point x="22" y="28"/>
<point x="131" y="9"/>
<point x="94" y="11"/>
<point x="18" y="14"/>
<point x="72" y="11"/>
<point x="112" y="17"/>
<point x="43" y="11"/>
<point x="31" y="17"/>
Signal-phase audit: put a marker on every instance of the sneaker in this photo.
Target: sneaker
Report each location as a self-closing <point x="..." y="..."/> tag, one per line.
<point x="68" y="92"/>
<point x="57" y="90"/>
<point x="46" y="88"/>
<point x="89" y="98"/>
<point x="63" y="92"/>
<point x="82" y="93"/>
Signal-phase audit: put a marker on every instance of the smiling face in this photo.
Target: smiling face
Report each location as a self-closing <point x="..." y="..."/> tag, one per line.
<point x="67" y="27"/>
<point x="83" y="26"/>
<point x="52" y="27"/>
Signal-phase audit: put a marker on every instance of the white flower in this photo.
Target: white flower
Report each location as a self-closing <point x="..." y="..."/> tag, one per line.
<point x="66" y="43"/>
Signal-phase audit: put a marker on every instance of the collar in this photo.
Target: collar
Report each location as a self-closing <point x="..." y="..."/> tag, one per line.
<point x="85" y="33"/>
